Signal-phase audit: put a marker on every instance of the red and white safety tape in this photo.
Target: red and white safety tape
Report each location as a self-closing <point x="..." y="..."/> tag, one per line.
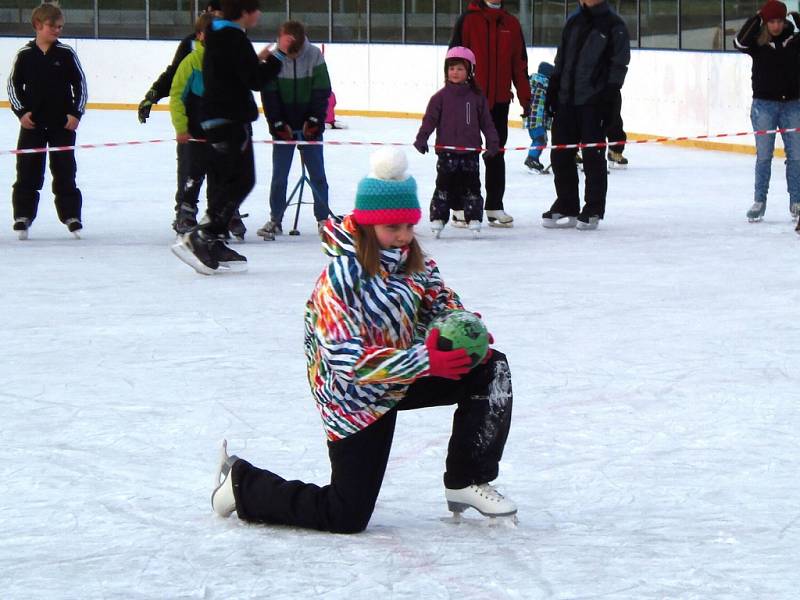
<point x="658" y="140"/>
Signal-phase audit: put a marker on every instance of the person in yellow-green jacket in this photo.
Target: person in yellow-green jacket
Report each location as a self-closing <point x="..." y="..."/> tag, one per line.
<point x="185" y="97"/>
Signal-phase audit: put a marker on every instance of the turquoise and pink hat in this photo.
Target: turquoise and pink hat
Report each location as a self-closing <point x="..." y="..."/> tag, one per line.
<point x="388" y="195"/>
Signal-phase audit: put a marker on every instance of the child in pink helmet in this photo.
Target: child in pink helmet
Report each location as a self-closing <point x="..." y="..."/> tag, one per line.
<point x="459" y="113"/>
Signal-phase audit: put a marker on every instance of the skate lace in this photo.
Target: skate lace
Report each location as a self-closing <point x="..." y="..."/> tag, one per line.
<point x="489" y="492"/>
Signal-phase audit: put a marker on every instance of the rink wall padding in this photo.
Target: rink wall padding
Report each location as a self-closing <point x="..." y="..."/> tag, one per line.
<point x="667" y="93"/>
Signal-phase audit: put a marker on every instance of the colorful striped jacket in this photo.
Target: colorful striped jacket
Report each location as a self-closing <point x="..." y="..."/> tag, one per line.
<point x="364" y="336"/>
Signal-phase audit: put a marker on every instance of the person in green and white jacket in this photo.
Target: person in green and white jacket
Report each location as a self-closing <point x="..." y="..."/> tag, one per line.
<point x="295" y="105"/>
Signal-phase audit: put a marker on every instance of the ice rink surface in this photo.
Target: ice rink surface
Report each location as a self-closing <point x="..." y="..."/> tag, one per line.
<point x="655" y="446"/>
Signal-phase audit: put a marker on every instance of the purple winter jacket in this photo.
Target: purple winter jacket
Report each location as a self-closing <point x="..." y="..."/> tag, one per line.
<point x="459" y="115"/>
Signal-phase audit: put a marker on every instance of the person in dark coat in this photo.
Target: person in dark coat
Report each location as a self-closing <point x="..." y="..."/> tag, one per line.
<point x="590" y="68"/>
<point x="495" y="37"/>
<point x="772" y="38"/>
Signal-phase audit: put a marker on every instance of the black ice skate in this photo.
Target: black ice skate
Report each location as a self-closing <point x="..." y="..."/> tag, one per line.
<point x="21" y="226"/>
<point x="228" y="258"/>
<point x="555" y="220"/>
<point x="756" y="212"/>
<point x="222" y="498"/>
<point x="185" y="218"/>
<point x="236" y="226"/>
<point x="616" y="160"/>
<point x="534" y="166"/>
<point x="794" y="210"/>
<point x="194" y="248"/>
<point x="74" y="226"/>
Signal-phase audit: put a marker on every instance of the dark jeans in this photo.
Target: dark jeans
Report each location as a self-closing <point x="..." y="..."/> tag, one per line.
<point x="458" y="185"/>
<point x="613" y="124"/>
<point x="192" y="169"/>
<point x="572" y="125"/>
<point x="231" y="171"/>
<point x="358" y="462"/>
<point x="496" y="166"/>
<point x="30" y="174"/>
<point x="311" y="156"/>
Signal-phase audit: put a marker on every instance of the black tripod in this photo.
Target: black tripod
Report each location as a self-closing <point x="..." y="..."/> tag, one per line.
<point x="298" y="191"/>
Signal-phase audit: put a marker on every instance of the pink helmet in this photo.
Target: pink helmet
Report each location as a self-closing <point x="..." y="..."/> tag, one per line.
<point x="462" y="53"/>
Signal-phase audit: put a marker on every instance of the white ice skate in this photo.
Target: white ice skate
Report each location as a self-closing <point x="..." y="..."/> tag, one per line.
<point x="554" y="220"/>
<point x="475" y="228"/>
<point x="74" y="226"/>
<point x="482" y="497"/>
<point x="499" y="218"/>
<point x="616" y="160"/>
<point x="756" y="212"/>
<point x="794" y="210"/>
<point x="587" y="223"/>
<point x="437" y="226"/>
<point x="222" y="499"/>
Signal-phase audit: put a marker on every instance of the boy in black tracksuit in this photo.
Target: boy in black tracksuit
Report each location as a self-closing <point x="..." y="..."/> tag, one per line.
<point x="47" y="92"/>
<point x="231" y="72"/>
<point x="590" y="68"/>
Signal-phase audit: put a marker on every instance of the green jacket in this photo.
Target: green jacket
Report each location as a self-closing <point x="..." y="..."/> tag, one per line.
<point x="186" y="93"/>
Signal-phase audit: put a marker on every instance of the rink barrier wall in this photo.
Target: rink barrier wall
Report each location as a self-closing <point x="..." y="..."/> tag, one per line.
<point x="666" y="94"/>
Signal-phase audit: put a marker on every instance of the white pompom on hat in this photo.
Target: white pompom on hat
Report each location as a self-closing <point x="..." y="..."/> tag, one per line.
<point x="388" y="196"/>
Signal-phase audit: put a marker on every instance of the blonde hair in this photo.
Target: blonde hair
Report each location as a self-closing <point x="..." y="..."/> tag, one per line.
<point x="368" y="251"/>
<point x="48" y="12"/>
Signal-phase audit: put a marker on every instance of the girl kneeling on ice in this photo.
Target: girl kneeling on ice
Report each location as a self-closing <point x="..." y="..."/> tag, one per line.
<point x="369" y="356"/>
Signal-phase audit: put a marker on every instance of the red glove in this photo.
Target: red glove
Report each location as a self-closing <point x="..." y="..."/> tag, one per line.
<point x="450" y="364"/>
<point x="311" y="128"/>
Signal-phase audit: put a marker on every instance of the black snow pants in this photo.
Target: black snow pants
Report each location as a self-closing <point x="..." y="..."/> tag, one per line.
<point x="572" y="125"/>
<point x="614" y="127"/>
<point x="458" y="186"/>
<point x="231" y="171"/>
<point x="192" y="169"/>
<point x="496" y="165"/>
<point x="480" y="427"/>
<point x="30" y="174"/>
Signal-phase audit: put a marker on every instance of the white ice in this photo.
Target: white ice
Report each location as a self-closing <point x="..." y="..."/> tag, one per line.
<point x="655" y="440"/>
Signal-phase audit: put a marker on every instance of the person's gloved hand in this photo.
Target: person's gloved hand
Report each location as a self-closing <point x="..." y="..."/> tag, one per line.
<point x="421" y="147"/>
<point x="610" y="94"/>
<point x="450" y="364"/>
<point x="311" y="128"/>
<point x="491" y="152"/>
<point x="150" y="98"/>
<point x="282" y="131"/>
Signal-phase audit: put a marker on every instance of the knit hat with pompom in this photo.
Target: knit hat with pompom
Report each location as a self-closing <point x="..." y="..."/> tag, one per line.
<point x="388" y="195"/>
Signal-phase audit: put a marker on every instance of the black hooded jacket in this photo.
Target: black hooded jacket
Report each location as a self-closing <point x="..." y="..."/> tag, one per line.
<point x="775" y="75"/>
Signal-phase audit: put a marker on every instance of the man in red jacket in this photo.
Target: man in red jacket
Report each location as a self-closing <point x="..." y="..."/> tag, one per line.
<point x="495" y="37"/>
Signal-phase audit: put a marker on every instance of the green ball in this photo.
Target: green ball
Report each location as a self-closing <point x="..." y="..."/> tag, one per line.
<point x="462" y="329"/>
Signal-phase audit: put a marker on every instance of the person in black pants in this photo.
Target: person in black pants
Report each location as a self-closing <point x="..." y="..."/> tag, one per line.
<point x="615" y="132"/>
<point x="372" y="349"/>
<point x="231" y="72"/>
<point x="590" y="68"/>
<point x="47" y="92"/>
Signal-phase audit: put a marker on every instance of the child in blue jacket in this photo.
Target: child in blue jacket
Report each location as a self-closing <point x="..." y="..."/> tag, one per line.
<point x="538" y="120"/>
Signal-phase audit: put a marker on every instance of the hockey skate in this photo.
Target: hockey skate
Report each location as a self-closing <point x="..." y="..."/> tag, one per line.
<point x="21" y="226"/>
<point x="482" y="497"/>
<point x="185" y="218"/>
<point x="74" y="226"/>
<point x="587" y="222"/>
<point x="555" y="220"/>
<point x="534" y="166"/>
<point x="236" y="226"/>
<point x="270" y="230"/>
<point x="194" y="248"/>
<point x="475" y="228"/>
<point x="756" y="212"/>
<point x="499" y="218"/>
<point x="222" y="499"/>
<point x="437" y="225"/>
<point x="228" y="258"/>
<point x="458" y="219"/>
<point x="616" y="160"/>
